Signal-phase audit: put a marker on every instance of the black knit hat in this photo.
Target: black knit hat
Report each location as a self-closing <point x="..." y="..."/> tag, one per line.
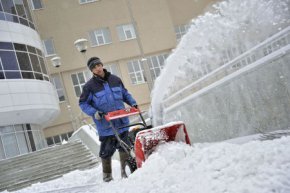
<point x="93" y="61"/>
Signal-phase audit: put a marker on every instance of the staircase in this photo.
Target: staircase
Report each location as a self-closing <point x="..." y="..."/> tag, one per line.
<point x="44" y="165"/>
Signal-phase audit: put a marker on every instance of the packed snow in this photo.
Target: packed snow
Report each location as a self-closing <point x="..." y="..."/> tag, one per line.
<point x="250" y="167"/>
<point x="213" y="39"/>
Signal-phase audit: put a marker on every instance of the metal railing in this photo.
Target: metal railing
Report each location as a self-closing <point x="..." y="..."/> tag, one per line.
<point x="270" y="45"/>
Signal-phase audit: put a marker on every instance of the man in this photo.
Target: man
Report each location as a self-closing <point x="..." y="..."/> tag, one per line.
<point x="103" y="93"/>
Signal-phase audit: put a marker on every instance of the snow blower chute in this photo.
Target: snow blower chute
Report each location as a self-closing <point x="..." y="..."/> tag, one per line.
<point x="144" y="139"/>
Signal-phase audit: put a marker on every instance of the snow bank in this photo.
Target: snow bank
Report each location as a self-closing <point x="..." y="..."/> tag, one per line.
<point x="256" y="166"/>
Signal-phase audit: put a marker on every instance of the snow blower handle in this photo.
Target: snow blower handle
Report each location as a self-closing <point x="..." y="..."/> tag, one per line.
<point x="125" y="113"/>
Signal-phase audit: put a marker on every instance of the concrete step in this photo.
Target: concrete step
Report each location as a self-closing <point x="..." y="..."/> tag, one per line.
<point x="41" y="158"/>
<point x="44" y="165"/>
<point x="46" y="152"/>
<point x="17" y="173"/>
<point x="51" y="175"/>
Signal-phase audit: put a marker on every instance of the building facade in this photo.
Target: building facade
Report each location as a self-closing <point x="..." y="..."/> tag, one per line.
<point x="28" y="101"/>
<point x="133" y="39"/>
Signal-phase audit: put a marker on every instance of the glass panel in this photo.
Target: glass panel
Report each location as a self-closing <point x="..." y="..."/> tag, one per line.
<point x="27" y="75"/>
<point x="49" y="141"/>
<point x="155" y="62"/>
<point x="2" y="75"/>
<point x="107" y="35"/>
<point x="42" y="64"/>
<point x="39" y="52"/>
<point x="130" y="67"/>
<point x="128" y="34"/>
<point x="27" y="10"/>
<point x="2" y="154"/>
<point x="6" y="45"/>
<point x="49" y="48"/>
<point x="35" y="63"/>
<point x="20" y="8"/>
<point x="81" y="78"/>
<point x="60" y="94"/>
<point x="37" y="4"/>
<point x="1" y="8"/>
<point x="2" y="16"/>
<point x="56" y="82"/>
<point x="31" y="49"/>
<point x="93" y="38"/>
<point x="23" y="60"/>
<point x="121" y="33"/>
<point x="100" y="40"/>
<point x="22" y="144"/>
<point x="12" y="75"/>
<point x="8" y="6"/>
<point x="20" y="47"/>
<point x="23" y="22"/>
<point x="64" y="137"/>
<point x="88" y="75"/>
<point x="38" y="76"/>
<point x="9" y="61"/>
<point x="10" y="145"/>
<point x="78" y="91"/>
<point x="56" y="139"/>
<point x="74" y="79"/>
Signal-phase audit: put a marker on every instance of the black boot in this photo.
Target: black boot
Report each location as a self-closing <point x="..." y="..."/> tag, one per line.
<point x="107" y="170"/>
<point x="123" y="157"/>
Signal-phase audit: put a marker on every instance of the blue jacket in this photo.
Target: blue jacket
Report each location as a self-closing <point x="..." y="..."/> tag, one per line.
<point x="105" y="95"/>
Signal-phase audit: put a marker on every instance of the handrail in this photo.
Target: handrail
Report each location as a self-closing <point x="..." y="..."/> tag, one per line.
<point x="273" y="43"/>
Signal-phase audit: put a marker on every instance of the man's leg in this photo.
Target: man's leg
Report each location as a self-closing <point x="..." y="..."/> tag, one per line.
<point x="108" y="147"/>
<point x="123" y="155"/>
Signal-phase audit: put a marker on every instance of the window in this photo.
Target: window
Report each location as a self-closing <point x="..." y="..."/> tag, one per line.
<point x="126" y="32"/>
<point x="86" y="1"/>
<point x="100" y="37"/>
<point x="55" y="80"/>
<point x="180" y="31"/>
<point x="48" y="47"/>
<point x="79" y="80"/>
<point x="36" y="4"/>
<point x="113" y="68"/>
<point x="57" y="139"/>
<point x="156" y="63"/>
<point x="136" y="70"/>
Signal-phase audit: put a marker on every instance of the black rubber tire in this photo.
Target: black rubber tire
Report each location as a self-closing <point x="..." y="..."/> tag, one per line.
<point x="131" y="164"/>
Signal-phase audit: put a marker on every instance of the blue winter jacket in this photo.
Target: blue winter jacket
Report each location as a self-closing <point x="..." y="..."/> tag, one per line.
<point x="105" y="95"/>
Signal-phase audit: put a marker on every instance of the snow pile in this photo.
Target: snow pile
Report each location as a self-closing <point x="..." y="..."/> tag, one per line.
<point x="256" y="166"/>
<point x="216" y="38"/>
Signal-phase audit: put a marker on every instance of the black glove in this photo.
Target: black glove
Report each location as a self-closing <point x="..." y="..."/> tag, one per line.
<point x="135" y="106"/>
<point x="99" y="115"/>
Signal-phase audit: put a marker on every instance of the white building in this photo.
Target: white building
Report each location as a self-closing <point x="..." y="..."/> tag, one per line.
<point x="28" y="101"/>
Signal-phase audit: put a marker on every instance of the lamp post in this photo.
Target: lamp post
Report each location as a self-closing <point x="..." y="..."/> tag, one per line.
<point x="143" y="58"/>
<point x="56" y="62"/>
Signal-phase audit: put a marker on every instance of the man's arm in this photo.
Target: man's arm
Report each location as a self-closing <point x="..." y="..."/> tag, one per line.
<point x="85" y="102"/>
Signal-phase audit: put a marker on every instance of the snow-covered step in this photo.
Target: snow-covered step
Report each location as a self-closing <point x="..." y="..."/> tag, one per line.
<point x="44" y="165"/>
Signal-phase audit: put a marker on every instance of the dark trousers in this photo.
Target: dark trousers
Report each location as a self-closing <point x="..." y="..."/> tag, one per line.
<point x="109" y="144"/>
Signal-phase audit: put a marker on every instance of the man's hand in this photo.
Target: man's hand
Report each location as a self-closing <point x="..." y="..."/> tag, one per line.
<point x="99" y="115"/>
<point x="135" y="106"/>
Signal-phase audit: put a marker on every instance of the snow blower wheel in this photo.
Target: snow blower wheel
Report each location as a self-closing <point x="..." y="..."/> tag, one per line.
<point x="130" y="165"/>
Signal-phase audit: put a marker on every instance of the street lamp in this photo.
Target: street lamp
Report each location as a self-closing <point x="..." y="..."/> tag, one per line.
<point x="56" y="62"/>
<point x="81" y="45"/>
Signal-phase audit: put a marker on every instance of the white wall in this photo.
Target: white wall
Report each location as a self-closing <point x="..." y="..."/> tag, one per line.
<point x="27" y="101"/>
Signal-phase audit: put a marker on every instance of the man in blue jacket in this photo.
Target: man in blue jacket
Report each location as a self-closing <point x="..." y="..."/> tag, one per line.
<point x="103" y="93"/>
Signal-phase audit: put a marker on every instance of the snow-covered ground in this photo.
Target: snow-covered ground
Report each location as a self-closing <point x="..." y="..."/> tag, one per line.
<point x="224" y="167"/>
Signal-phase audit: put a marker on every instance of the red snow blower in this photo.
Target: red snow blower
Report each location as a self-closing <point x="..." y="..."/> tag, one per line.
<point x="144" y="138"/>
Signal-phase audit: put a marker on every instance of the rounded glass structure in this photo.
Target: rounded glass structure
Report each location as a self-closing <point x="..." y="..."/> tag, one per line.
<point x="20" y="61"/>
